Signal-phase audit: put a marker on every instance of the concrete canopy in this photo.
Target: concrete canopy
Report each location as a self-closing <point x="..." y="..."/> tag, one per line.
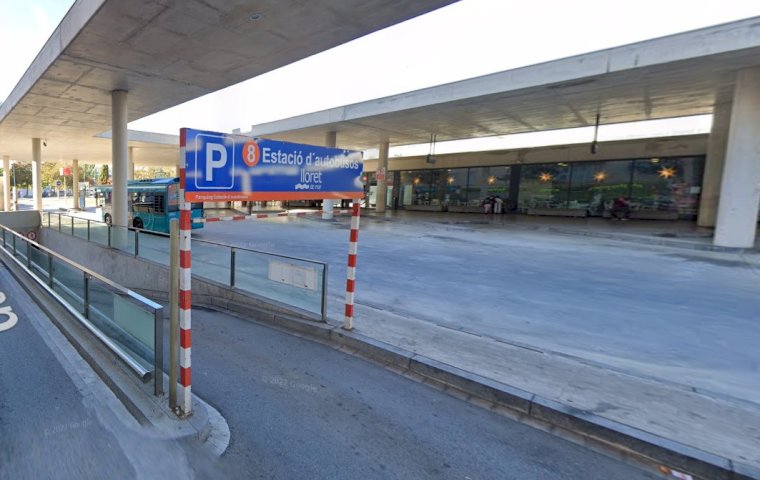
<point x="166" y="52"/>
<point x="678" y="75"/>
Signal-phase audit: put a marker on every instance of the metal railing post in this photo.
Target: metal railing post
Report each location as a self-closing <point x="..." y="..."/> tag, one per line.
<point x="173" y="312"/>
<point x="86" y="306"/>
<point x="137" y="243"/>
<point x="59" y="222"/>
<point x="324" y="293"/>
<point x="50" y="270"/>
<point x="48" y="215"/>
<point x="29" y="256"/>
<point x="72" y="226"/>
<point x="14" y="245"/>
<point x="109" y="235"/>
<point x="158" y="352"/>
<point x="232" y="267"/>
<point x="88" y="229"/>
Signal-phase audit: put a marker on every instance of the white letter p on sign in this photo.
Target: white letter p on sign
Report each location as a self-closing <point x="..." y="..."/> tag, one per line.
<point x="214" y="150"/>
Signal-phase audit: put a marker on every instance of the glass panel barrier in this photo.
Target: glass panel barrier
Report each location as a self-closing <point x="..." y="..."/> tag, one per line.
<point x="80" y="227"/>
<point x="289" y="281"/>
<point x="154" y="247"/>
<point x="211" y="261"/>
<point x="99" y="233"/>
<point x="123" y="239"/>
<point x="121" y="319"/>
<point x="68" y="282"/>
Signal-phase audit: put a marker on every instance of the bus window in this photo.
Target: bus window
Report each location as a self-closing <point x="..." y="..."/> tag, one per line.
<point x="158" y="204"/>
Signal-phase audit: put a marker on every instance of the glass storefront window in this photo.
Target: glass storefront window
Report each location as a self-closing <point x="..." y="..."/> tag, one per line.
<point x="487" y="181"/>
<point x="423" y="187"/>
<point x="594" y="185"/>
<point x="544" y="186"/>
<point x="652" y="184"/>
<point x="667" y="184"/>
<point x="456" y="186"/>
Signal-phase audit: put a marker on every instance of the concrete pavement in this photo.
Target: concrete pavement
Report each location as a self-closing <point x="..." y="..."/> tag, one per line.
<point x="652" y="338"/>
<point x="299" y="410"/>
<point x="667" y="351"/>
<point x="59" y="420"/>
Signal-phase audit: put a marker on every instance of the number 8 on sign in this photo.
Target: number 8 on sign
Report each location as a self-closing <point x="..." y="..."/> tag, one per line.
<point x="251" y="153"/>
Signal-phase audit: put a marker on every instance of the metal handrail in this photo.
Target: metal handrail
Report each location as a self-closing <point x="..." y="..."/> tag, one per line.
<point x="233" y="249"/>
<point x="155" y="308"/>
<point x="153" y="305"/>
<point x="200" y="240"/>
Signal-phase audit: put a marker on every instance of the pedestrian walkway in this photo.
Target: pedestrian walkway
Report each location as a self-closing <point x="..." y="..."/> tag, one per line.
<point x="725" y="429"/>
<point x="681" y="233"/>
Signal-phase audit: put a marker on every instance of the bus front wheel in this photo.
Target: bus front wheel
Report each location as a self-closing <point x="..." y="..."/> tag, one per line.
<point x="138" y="223"/>
<point x="107" y="218"/>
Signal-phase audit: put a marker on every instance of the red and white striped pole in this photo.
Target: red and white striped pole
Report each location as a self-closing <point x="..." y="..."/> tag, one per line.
<point x="348" y="322"/>
<point x="185" y="301"/>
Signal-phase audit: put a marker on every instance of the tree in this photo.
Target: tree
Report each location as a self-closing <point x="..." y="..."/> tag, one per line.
<point x="22" y="172"/>
<point x="51" y="173"/>
<point x="104" y="176"/>
<point x="145" y="173"/>
<point x="88" y="173"/>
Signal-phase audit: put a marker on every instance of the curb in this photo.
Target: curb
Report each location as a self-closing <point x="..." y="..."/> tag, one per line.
<point x="660" y="453"/>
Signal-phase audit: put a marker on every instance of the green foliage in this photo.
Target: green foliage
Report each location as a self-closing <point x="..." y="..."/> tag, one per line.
<point x="104" y="176"/>
<point x="147" y="173"/>
<point x="22" y="172"/>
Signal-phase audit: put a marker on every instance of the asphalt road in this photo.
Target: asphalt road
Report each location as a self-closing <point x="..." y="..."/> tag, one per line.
<point x="655" y="311"/>
<point x="298" y="409"/>
<point x="57" y="419"/>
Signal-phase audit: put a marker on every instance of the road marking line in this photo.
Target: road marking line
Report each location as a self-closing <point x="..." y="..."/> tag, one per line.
<point x="7" y="311"/>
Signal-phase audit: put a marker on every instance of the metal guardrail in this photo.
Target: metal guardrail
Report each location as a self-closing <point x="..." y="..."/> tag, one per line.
<point x="68" y="224"/>
<point x="53" y="272"/>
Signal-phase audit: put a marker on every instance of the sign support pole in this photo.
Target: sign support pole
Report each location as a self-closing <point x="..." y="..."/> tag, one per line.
<point x="173" y="311"/>
<point x="348" y="322"/>
<point x="185" y="303"/>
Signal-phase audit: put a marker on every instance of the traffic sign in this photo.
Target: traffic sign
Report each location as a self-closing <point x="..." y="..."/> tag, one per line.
<point x="57" y="183"/>
<point x="224" y="167"/>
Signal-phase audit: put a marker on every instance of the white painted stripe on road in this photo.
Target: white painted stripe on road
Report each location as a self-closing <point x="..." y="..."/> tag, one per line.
<point x="7" y="311"/>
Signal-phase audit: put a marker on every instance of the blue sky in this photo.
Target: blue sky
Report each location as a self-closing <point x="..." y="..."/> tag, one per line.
<point x="466" y="39"/>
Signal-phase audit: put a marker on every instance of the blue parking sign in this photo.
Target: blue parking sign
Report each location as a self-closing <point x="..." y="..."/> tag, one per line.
<point x="224" y="167"/>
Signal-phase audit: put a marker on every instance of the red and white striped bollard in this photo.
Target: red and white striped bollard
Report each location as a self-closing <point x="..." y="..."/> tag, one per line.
<point x="185" y="395"/>
<point x="348" y="322"/>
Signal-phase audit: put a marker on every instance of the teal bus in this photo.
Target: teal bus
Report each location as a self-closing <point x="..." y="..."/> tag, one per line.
<point x="152" y="204"/>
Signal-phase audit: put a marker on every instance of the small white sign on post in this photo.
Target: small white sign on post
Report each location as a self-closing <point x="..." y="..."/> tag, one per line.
<point x="295" y="275"/>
